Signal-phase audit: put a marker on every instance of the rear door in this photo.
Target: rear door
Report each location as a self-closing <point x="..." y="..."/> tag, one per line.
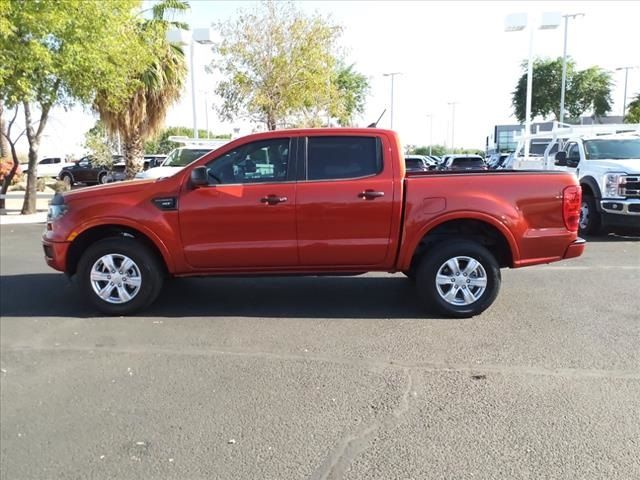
<point x="344" y="201"/>
<point x="245" y="218"/>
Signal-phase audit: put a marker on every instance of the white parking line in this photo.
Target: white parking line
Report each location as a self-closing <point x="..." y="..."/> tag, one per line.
<point x="592" y="267"/>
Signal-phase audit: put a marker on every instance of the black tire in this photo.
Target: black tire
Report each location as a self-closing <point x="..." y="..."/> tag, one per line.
<point x="590" y="221"/>
<point x="435" y="260"/>
<point x="148" y="265"/>
<point x="67" y="179"/>
<point x="102" y="178"/>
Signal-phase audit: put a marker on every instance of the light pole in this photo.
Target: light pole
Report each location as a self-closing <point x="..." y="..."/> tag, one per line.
<point x="564" y="61"/>
<point x="626" y="77"/>
<point x="517" y="22"/>
<point x="430" y="117"/>
<point x="392" y="75"/>
<point x="203" y="36"/>
<point x="453" y="124"/>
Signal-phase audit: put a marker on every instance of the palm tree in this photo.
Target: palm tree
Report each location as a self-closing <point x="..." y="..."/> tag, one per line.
<point x="142" y="114"/>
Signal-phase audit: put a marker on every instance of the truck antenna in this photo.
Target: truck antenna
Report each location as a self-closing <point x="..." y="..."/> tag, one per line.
<point x="375" y="124"/>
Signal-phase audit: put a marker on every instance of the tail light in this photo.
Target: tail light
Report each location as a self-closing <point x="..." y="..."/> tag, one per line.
<point x="571" y="199"/>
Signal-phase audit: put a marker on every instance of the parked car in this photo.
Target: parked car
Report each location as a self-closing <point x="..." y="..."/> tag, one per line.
<point x="152" y="161"/>
<point x="175" y="161"/>
<point x="419" y="163"/>
<point x="315" y="202"/>
<point x="496" y="160"/>
<point x="464" y="162"/>
<point x="48" y="167"/>
<point x="86" y="171"/>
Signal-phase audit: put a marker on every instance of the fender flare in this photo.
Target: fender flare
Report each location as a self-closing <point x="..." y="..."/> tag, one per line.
<point x="464" y="215"/>
<point x="593" y="185"/>
<point x="124" y="222"/>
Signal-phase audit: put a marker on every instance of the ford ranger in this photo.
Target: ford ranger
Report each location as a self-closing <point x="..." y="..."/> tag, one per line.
<point x="313" y="202"/>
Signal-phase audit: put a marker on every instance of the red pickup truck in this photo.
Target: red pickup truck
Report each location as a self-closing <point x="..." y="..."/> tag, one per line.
<point x="313" y="202"/>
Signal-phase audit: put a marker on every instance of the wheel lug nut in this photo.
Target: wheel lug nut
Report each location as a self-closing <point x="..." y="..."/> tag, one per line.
<point x="119" y="285"/>
<point x="113" y="271"/>
<point x="468" y="281"/>
<point x="453" y="279"/>
<point x="109" y="277"/>
<point x="464" y="274"/>
<point x="457" y="273"/>
<point x="120" y="272"/>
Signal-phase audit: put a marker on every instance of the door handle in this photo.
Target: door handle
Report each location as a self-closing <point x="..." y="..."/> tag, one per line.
<point x="273" y="199"/>
<point x="370" y="194"/>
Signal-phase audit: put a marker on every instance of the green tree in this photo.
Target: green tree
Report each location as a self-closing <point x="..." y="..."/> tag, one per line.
<point x="351" y="89"/>
<point x="277" y="64"/>
<point x="59" y="52"/>
<point x="437" y="150"/>
<point x="586" y="90"/>
<point x="99" y="144"/>
<point x="633" y="111"/>
<point x="159" y="86"/>
<point x="161" y="143"/>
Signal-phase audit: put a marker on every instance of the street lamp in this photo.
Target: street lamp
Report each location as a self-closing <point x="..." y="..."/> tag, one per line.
<point x="517" y="22"/>
<point x="203" y="36"/>
<point x="430" y="117"/>
<point x="564" y="61"/>
<point x="626" y="77"/>
<point x="453" y="124"/>
<point x="392" y="75"/>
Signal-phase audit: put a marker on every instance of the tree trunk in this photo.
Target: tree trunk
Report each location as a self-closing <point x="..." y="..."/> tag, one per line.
<point x="133" y="155"/>
<point x="33" y="137"/>
<point x="4" y="143"/>
<point x="271" y="121"/>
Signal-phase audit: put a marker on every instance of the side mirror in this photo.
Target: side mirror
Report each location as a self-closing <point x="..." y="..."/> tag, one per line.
<point x="561" y="159"/>
<point x="199" y="177"/>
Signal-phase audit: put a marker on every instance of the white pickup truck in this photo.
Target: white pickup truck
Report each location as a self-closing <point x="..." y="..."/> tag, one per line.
<point x="48" y="166"/>
<point x="608" y="168"/>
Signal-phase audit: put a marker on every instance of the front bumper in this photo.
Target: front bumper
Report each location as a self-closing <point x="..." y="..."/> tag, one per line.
<point x="620" y="213"/>
<point x="55" y="254"/>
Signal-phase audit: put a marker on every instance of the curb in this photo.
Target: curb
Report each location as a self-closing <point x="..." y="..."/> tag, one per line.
<point x="17" y="219"/>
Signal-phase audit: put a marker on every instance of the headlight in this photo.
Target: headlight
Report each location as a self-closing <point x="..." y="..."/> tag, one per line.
<point x="611" y="185"/>
<point x="57" y="208"/>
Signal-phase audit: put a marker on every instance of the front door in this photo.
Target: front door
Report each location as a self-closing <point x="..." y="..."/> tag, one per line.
<point x="245" y="218"/>
<point x="344" y="202"/>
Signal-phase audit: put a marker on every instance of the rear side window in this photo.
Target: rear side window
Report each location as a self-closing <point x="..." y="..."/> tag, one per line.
<point x="333" y="158"/>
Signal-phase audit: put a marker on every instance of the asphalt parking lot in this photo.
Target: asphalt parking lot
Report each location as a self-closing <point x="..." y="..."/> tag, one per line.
<point x="323" y="378"/>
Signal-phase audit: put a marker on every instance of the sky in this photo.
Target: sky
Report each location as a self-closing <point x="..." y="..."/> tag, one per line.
<point x="446" y="52"/>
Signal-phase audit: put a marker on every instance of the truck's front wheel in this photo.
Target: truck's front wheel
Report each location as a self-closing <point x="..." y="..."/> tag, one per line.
<point x="120" y="276"/>
<point x="459" y="278"/>
<point x="590" y="222"/>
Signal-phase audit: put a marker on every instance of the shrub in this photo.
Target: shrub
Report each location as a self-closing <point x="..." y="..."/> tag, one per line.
<point x="6" y="164"/>
<point x="59" y="186"/>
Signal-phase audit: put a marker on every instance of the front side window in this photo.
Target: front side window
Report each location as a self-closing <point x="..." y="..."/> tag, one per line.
<point x="257" y="162"/>
<point x="333" y="158"/>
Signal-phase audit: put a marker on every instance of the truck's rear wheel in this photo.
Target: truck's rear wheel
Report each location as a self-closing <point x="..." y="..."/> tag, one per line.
<point x="120" y="276"/>
<point x="590" y="221"/>
<point x="459" y="278"/>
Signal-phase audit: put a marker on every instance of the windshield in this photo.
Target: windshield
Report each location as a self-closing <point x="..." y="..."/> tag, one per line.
<point x="618" y="149"/>
<point x="181" y="157"/>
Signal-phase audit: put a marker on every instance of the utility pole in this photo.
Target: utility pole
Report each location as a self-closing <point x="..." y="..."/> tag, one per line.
<point x="453" y="124"/>
<point x="564" y="61"/>
<point x="392" y="75"/>
<point x="626" y="77"/>
<point x="430" y="117"/>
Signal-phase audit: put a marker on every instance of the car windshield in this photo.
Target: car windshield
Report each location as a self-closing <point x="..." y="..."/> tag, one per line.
<point x="467" y="163"/>
<point x="181" y="157"/>
<point x="618" y="149"/>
